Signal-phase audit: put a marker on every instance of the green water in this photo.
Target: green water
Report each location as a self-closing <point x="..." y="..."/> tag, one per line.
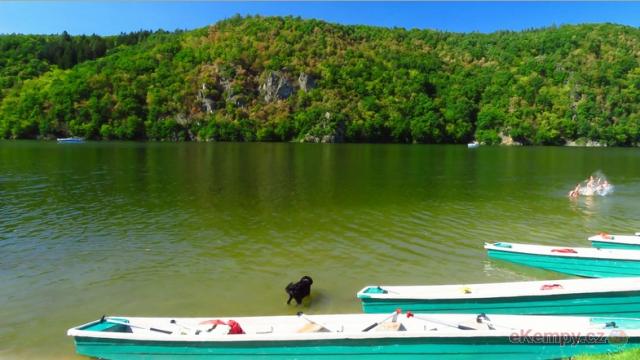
<point x="154" y="229"/>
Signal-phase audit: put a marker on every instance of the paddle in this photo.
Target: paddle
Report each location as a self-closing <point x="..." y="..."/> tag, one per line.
<point x="184" y="327"/>
<point x="480" y="319"/>
<point x="491" y="324"/>
<point x="394" y="316"/>
<point x="410" y="314"/>
<point x="302" y="315"/>
<point x="114" y="321"/>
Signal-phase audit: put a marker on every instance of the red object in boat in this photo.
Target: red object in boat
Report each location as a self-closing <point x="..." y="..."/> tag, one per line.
<point x="550" y="286"/>
<point x="565" y="251"/>
<point x="233" y="325"/>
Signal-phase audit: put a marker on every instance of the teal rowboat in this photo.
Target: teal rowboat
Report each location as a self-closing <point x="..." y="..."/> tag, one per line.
<point x="356" y="336"/>
<point x="587" y="262"/>
<point x="593" y="297"/>
<point x="604" y="240"/>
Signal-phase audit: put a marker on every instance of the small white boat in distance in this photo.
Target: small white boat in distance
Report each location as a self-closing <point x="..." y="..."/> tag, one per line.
<point x="604" y="240"/>
<point x="473" y="145"/>
<point x="70" y="140"/>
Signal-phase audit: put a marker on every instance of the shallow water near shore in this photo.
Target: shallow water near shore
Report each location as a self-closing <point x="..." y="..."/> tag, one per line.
<point x="188" y="229"/>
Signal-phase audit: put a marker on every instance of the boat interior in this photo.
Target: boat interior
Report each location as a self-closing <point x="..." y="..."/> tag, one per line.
<point x="408" y="322"/>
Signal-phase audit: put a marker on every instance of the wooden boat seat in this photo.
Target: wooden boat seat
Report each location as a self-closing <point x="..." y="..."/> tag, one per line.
<point x="390" y="326"/>
<point x="311" y="328"/>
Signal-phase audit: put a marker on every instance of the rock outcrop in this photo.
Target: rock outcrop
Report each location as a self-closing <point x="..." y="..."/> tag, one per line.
<point x="508" y="140"/>
<point x="225" y="84"/>
<point x="327" y="131"/>
<point x="207" y="103"/>
<point x="276" y="87"/>
<point x="237" y="100"/>
<point x="306" y="82"/>
<point x="182" y="119"/>
<point x="222" y="88"/>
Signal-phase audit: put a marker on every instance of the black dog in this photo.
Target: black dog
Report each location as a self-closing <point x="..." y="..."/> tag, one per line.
<point x="299" y="290"/>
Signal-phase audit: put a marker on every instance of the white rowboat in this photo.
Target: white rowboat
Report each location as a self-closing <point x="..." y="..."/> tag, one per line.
<point x="604" y="240"/>
<point x="594" y="297"/>
<point x="357" y="336"/>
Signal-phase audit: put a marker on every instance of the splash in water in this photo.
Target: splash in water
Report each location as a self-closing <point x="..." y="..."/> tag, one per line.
<point x="596" y="184"/>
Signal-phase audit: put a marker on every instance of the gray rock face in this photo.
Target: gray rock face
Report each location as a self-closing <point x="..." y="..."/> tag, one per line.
<point x="233" y="95"/>
<point x="206" y="102"/>
<point x="505" y="139"/>
<point x="237" y="100"/>
<point x="226" y="86"/>
<point x="208" y="105"/>
<point x="325" y="139"/>
<point x="182" y="119"/>
<point x="326" y="131"/>
<point x="306" y="82"/>
<point x="276" y="87"/>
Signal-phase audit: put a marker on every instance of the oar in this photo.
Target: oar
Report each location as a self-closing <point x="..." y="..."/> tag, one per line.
<point x="114" y="321"/>
<point x="491" y="324"/>
<point x="185" y="327"/>
<point x="394" y="315"/>
<point x="478" y="319"/>
<point x="410" y="314"/>
<point x="174" y="322"/>
<point x="302" y="315"/>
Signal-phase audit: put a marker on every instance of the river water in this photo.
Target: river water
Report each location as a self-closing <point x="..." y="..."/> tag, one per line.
<point x="187" y="229"/>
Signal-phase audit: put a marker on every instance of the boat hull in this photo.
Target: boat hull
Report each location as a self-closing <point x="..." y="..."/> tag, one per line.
<point x="579" y="266"/>
<point x="356" y="336"/>
<point x="614" y="245"/>
<point x="624" y="303"/>
<point x="447" y="348"/>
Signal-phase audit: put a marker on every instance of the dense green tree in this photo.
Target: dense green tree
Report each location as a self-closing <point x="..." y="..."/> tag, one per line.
<point x="367" y="84"/>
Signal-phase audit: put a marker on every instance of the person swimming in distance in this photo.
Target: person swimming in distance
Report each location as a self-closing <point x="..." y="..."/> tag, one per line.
<point x="592" y="182"/>
<point x="575" y="192"/>
<point x="603" y="187"/>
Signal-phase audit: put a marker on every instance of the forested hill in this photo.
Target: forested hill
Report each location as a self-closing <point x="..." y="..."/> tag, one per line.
<point x="283" y="79"/>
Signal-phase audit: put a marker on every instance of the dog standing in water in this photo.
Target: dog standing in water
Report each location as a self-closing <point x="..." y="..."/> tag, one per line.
<point x="299" y="290"/>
